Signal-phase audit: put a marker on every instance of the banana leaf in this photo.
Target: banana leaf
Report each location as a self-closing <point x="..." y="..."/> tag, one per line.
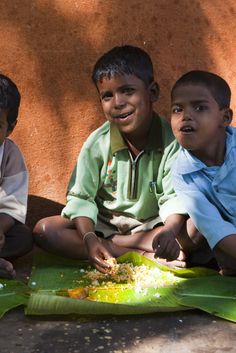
<point x="192" y="272"/>
<point x="57" y="286"/>
<point x="12" y="294"/>
<point x="46" y="304"/>
<point x="215" y="295"/>
<point x="53" y="278"/>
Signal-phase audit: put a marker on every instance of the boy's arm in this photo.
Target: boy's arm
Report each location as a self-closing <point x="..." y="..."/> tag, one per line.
<point x="85" y="182"/>
<point x="97" y="252"/>
<point x="167" y="199"/>
<point x="172" y="213"/>
<point x="165" y="244"/>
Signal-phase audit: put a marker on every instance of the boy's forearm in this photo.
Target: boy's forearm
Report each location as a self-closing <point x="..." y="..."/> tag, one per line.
<point x="84" y="225"/>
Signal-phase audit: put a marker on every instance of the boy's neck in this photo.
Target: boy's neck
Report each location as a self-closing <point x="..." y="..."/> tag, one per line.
<point x="135" y="150"/>
<point x="136" y="144"/>
<point x="138" y="140"/>
<point x="213" y="157"/>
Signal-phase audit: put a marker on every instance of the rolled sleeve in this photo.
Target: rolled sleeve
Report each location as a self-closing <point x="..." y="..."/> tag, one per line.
<point x="84" y="183"/>
<point x="80" y="208"/>
<point x="168" y="201"/>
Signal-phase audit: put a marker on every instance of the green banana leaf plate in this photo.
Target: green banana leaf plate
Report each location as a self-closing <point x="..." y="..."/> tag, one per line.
<point x="57" y="286"/>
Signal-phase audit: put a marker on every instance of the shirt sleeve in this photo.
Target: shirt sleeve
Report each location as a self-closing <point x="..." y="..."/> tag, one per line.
<point x="169" y="202"/>
<point x="84" y="184"/>
<point x="203" y="213"/>
<point x="14" y="183"/>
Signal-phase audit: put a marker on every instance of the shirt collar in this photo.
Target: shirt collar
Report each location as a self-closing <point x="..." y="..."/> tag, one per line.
<point x="186" y="163"/>
<point x="154" y="139"/>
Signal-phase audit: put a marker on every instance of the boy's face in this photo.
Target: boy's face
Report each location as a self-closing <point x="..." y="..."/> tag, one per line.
<point x="127" y="102"/>
<point x="197" y="121"/>
<point x="4" y="127"/>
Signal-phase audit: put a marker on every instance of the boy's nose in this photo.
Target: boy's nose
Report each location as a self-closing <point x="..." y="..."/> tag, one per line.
<point x="119" y="101"/>
<point x="187" y="115"/>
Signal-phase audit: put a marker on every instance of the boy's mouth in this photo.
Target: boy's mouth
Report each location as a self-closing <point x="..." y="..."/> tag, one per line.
<point x="187" y="129"/>
<point x="122" y="116"/>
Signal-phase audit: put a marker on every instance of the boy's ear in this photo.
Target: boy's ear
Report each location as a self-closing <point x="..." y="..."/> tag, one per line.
<point x="11" y="127"/>
<point x="228" y="116"/>
<point x="154" y="91"/>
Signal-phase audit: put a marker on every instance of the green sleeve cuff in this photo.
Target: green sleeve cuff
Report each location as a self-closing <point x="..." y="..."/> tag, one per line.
<point x="80" y="208"/>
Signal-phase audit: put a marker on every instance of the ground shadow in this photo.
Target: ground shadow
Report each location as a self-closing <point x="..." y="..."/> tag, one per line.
<point x="40" y="207"/>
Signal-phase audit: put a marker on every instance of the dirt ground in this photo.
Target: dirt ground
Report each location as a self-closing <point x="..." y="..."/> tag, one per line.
<point x="181" y="332"/>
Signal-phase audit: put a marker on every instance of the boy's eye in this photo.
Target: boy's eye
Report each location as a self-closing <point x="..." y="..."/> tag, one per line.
<point x="176" y="110"/>
<point x="128" y="90"/>
<point x="200" y="108"/>
<point x="106" y="96"/>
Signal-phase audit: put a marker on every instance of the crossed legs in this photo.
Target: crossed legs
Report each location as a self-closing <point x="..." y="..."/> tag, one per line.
<point x="18" y="242"/>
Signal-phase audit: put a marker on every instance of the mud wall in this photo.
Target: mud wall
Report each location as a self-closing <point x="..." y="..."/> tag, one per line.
<point x="48" y="47"/>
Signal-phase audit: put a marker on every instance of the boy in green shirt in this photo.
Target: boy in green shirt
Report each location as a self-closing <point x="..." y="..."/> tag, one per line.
<point x="120" y="192"/>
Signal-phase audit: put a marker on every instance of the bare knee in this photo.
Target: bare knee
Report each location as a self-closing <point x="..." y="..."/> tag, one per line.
<point x="41" y="227"/>
<point x="50" y="225"/>
<point x="49" y="231"/>
<point x="196" y="237"/>
<point x="44" y="230"/>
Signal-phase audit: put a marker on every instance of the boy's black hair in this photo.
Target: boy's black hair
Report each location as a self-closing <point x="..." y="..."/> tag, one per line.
<point x="218" y="87"/>
<point x="122" y="60"/>
<point x="9" y="98"/>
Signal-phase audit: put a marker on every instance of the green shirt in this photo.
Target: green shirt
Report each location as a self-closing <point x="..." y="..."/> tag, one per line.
<point x="107" y="180"/>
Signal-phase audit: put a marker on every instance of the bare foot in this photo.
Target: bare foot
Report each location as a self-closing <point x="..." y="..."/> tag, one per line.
<point x="175" y="264"/>
<point x="6" y="269"/>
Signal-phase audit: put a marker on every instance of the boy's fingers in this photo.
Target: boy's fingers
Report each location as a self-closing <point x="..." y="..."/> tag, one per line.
<point x="172" y="251"/>
<point x="169" y="251"/>
<point x="101" y="265"/>
<point x="158" y="250"/>
<point x="182" y="256"/>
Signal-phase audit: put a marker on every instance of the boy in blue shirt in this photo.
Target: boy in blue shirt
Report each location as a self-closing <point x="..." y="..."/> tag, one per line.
<point x="120" y="192"/>
<point x="204" y="174"/>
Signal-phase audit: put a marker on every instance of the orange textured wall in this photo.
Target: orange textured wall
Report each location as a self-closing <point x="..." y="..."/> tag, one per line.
<point x="48" y="47"/>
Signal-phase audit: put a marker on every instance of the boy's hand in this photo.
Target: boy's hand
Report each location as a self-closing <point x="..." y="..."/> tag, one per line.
<point x="97" y="253"/>
<point x="165" y="245"/>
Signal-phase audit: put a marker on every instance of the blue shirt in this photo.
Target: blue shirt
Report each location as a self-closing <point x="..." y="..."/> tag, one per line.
<point x="209" y="193"/>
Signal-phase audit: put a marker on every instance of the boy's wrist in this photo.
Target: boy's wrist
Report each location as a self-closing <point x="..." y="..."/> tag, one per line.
<point x="89" y="235"/>
<point x="169" y="230"/>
